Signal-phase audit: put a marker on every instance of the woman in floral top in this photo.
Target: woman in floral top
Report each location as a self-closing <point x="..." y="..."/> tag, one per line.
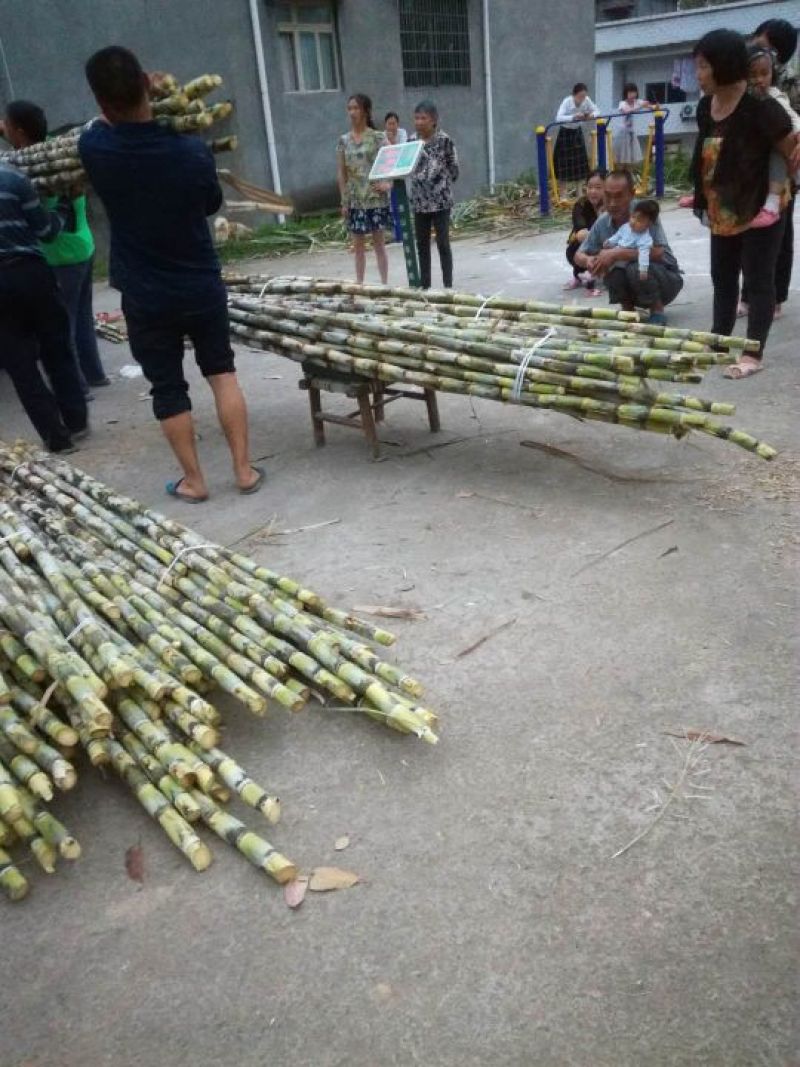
<point x="365" y="204"/>
<point x="432" y="192"/>
<point x="730" y="167"/>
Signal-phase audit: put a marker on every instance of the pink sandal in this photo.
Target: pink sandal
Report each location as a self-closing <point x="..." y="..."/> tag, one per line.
<point x="764" y="218"/>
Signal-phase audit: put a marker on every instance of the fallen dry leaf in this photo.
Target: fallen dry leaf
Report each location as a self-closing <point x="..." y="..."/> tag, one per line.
<point x="294" y="892"/>
<point x="324" y="879"/>
<point x="704" y="735"/>
<point x="387" y="612"/>
<point x="134" y="863"/>
<point x="341" y="842"/>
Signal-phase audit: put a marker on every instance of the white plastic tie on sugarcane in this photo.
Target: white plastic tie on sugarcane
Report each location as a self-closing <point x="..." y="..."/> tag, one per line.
<point x="77" y="629"/>
<point x="182" y="552"/>
<point x="527" y="356"/>
<point x="483" y="306"/>
<point x="18" y="467"/>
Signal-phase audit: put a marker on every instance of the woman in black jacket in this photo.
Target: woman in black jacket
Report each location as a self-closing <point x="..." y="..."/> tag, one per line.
<point x="730" y="169"/>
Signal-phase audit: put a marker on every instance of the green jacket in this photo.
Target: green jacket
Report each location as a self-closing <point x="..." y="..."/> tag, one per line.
<point x="71" y="248"/>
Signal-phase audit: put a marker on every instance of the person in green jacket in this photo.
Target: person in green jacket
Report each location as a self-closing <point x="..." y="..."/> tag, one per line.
<point x="71" y="255"/>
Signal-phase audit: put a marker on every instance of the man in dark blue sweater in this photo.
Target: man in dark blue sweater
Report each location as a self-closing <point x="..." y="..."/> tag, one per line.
<point x="158" y="187"/>
<point x="34" y="325"/>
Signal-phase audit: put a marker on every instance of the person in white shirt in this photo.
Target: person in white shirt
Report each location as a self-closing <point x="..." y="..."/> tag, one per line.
<point x="393" y="132"/>
<point x="570" y="159"/>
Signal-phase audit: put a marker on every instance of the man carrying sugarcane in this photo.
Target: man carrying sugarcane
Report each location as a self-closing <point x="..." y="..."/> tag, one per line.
<point x="618" y="266"/>
<point x="158" y="188"/>
<point x="34" y="325"/>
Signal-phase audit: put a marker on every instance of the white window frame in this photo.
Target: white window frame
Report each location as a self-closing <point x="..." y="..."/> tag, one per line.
<point x="294" y="27"/>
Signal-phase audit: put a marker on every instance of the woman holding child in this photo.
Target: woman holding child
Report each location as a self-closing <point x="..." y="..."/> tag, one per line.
<point x="730" y="167"/>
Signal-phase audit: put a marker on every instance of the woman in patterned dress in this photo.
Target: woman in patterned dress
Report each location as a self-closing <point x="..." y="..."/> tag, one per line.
<point x="432" y="192"/>
<point x="365" y="204"/>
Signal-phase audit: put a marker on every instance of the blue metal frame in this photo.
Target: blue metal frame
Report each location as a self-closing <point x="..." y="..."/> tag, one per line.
<point x="659" y="114"/>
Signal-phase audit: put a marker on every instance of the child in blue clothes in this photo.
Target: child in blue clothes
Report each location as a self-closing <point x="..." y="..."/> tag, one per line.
<point x="636" y="234"/>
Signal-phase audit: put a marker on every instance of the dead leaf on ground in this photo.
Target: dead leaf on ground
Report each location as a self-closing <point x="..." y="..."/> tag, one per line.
<point x="704" y="735"/>
<point x="134" y="863"/>
<point x="387" y="612"/>
<point x="323" y="879"/>
<point x="294" y="892"/>
<point x="341" y="842"/>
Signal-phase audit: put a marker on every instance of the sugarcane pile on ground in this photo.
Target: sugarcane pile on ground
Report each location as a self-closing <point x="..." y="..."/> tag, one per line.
<point x="590" y="363"/>
<point x="54" y="165"/>
<point x="116" y="623"/>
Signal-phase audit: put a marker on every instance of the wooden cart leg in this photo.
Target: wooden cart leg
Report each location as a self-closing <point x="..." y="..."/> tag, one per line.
<point x="318" y="426"/>
<point x="380" y="407"/>
<point x="367" y="421"/>
<point x="432" y="405"/>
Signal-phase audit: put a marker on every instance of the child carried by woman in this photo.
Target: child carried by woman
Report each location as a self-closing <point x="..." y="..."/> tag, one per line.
<point x="761" y="75"/>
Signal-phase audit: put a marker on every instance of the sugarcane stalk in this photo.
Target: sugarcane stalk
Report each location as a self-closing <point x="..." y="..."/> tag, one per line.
<point x="252" y="846"/>
<point x="13" y="884"/>
<point x="157" y="807"/>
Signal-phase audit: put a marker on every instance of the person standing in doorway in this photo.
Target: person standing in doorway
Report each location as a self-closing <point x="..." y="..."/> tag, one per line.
<point x="365" y="204"/>
<point x="70" y="254"/>
<point x="158" y="187"/>
<point x="432" y="192"/>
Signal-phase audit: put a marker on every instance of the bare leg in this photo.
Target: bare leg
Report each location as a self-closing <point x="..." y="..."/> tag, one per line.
<point x="232" y="414"/>
<point x="179" y="431"/>
<point x="380" y="255"/>
<point x="361" y="257"/>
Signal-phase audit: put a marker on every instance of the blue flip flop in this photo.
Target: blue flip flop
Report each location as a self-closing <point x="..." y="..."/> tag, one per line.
<point x="257" y="483"/>
<point x="173" y="489"/>
<point x="657" y="318"/>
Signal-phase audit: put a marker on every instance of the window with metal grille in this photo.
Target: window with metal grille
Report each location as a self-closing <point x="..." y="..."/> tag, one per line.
<point x="307" y="34"/>
<point x="434" y="40"/>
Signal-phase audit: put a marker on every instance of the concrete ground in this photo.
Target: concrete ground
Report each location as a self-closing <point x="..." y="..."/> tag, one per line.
<point x="494" y="923"/>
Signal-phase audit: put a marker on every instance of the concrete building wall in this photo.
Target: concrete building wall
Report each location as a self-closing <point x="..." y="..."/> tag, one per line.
<point x="643" y="50"/>
<point x="308" y="125"/>
<point x="535" y="58"/>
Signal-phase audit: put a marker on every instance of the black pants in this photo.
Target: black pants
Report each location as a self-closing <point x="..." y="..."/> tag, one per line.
<point x="783" y="266"/>
<point x="754" y="253"/>
<point x="626" y="287"/>
<point x="34" y="326"/>
<point x="157" y="346"/>
<point x="424" y="222"/>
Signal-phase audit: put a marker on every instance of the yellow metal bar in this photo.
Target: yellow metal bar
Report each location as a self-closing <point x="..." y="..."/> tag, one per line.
<point x="552" y="170"/>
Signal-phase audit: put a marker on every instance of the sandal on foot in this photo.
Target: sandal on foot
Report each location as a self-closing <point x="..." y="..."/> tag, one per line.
<point x="173" y="489"/>
<point x="740" y="370"/>
<point x="256" y="484"/>
<point x="657" y="318"/>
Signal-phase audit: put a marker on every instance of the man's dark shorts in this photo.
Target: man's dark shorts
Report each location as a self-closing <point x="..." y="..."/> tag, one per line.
<point x="157" y="346"/>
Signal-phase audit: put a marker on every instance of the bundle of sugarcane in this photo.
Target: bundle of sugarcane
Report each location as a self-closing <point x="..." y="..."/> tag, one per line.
<point x="115" y="624"/>
<point x="593" y="363"/>
<point x="54" y="165"/>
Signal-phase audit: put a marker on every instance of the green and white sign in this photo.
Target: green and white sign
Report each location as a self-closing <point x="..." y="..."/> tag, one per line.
<point x="396" y="161"/>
